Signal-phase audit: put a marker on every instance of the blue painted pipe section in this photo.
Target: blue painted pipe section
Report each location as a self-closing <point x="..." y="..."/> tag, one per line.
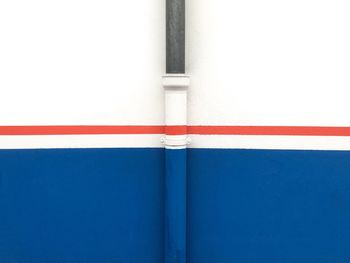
<point x="175" y="206"/>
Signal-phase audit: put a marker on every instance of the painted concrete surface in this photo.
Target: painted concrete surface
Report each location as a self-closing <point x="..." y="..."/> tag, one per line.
<point x="106" y="205"/>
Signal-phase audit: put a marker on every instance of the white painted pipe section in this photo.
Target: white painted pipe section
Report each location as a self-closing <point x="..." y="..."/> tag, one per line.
<point x="175" y="89"/>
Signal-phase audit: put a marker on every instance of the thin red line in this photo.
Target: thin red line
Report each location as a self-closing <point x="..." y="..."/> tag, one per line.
<point x="271" y="130"/>
<point x="176" y="130"/>
<point x="82" y="130"/>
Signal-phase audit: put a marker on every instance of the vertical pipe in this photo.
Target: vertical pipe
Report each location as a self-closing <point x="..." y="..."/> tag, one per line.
<point x="175" y="168"/>
<point x="175" y="85"/>
<point x="175" y="36"/>
<point x="175" y="210"/>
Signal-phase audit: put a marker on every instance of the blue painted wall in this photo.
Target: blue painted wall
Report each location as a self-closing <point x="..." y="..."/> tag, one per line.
<point x="269" y="206"/>
<point x="106" y="206"/>
<point x="81" y="206"/>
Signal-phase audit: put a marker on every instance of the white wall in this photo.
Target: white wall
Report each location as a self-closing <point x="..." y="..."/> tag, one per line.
<point x="81" y="62"/>
<point x="270" y="62"/>
<point x="252" y="62"/>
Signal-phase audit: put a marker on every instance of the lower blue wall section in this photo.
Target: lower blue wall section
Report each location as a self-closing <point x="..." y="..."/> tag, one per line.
<point x="250" y="206"/>
<point x="81" y="206"/>
<point x="106" y="206"/>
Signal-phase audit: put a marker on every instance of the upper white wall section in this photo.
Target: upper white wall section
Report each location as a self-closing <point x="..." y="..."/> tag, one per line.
<point x="269" y="62"/>
<point x="252" y="62"/>
<point x="81" y="62"/>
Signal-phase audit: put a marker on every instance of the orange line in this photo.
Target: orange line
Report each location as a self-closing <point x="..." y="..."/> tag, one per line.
<point x="176" y="130"/>
<point x="270" y="130"/>
<point x="82" y="130"/>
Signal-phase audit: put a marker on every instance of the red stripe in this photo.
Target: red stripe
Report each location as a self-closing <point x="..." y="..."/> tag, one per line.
<point x="73" y="130"/>
<point x="271" y="130"/>
<point x="176" y="130"/>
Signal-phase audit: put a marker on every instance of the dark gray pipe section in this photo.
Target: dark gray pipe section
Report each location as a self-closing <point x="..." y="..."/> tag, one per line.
<point x="175" y="36"/>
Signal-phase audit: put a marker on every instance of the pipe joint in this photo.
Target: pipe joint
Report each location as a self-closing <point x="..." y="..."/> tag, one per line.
<point x="176" y="81"/>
